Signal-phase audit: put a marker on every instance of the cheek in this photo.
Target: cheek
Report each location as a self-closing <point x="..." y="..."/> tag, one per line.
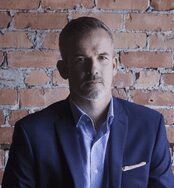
<point x="108" y="75"/>
<point x="76" y="76"/>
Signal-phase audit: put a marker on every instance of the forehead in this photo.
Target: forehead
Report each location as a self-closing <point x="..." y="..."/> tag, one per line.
<point x="95" y="40"/>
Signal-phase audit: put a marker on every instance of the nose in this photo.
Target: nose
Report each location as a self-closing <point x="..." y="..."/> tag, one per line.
<point x="93" y="66"/>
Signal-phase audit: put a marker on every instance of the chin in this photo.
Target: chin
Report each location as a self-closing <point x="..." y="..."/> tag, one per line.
<point x="94" y="95"/>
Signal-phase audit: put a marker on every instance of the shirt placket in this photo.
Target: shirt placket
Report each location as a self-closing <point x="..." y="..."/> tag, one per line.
<point x="96" y="161"/>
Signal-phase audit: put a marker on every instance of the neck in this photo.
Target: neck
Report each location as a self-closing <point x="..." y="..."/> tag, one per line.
<point x="96" y="109"/>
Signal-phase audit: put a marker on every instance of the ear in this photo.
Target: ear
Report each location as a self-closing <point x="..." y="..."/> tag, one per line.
<point x="62" y="68"/>
<point x="115" y="64"/>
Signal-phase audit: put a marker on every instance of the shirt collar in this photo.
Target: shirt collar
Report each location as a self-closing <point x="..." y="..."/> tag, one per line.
<point x="78" y="113"/>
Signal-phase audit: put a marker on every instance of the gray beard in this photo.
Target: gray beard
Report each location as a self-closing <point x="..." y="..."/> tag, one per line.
<point x="94" y="95"/>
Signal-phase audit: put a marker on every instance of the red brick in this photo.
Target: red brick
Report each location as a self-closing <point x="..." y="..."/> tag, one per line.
<point x="153" y="97"/>
<point x="4" y="19"/>
<point x="6" y="135"/>
<point x="1" y="117"/>
<point x="114" y="21"/>
<point x="162" y="41"/>
<point x="15" y="40"/>
<point x="37" y="77"/>
<point x="1" y="57"/>
<point x="8" y="96"/>
<point x="31" y="97"/>
<point x="162" y="4"/>
<point x="54" y="95"/>
<point x="147" y="59"/>
<point x="38" y="59"/>
<point x="129" y="40"/>
<point x="57" y="79"/>
<point x="168" y="115"/>
<point x="40" y="20"/>
<point x="66" y="4"/>
<point x="170" y="134"/>
<point x="147" y="79"/>
<point x="119" y="93"/>
<point x="19" y="4"/>
<point x="122" y="80"/>
<point x="150" y="22"/>
<point x="16" y="115"/>
<point x="51" y="41"/>
<point x="123" y="5"/>
<point x="168" y="79"/>
<point x="2" y="158"/>
<point x="44" y="97"/>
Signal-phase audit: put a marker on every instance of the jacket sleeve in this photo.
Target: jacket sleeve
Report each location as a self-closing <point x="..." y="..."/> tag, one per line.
<point x="161" y="175"/>
<point x="19" y="171"/>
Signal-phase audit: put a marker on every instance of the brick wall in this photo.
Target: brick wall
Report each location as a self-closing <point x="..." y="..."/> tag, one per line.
<point x="29" y="30"/>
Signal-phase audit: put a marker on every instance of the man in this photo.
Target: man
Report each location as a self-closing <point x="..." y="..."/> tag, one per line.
<point x="91" y="139"/>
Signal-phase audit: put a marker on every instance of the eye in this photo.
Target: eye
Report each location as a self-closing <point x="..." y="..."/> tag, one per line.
<point x="80" y="59"/>
<point x="103" y="58"/>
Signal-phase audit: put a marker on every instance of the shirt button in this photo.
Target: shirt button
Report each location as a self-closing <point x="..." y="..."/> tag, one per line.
<point x="96" y="171"/>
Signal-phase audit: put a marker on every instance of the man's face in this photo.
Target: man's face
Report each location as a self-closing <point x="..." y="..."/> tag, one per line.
<point x="91" y="65"/>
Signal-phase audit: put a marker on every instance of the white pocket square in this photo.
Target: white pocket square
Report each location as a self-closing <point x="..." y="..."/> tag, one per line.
<point x="125" y="168"/>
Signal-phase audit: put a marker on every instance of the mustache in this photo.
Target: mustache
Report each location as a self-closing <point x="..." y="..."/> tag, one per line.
<point x="93" y="77"/>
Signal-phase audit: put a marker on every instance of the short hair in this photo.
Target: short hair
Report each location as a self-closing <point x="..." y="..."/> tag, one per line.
<point x="78" y="27"/>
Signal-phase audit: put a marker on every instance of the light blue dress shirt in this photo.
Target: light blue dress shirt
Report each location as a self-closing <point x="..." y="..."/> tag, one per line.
<point x="93" y="144"/>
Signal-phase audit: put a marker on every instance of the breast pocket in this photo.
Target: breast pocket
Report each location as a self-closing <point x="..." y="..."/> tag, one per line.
<point x="136" y="177"/>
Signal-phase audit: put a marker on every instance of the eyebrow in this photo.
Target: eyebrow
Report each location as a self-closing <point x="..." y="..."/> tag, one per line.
<point x="84" y="55"/>
<point x="78" y="54"/>
<point x="104" y="53"/>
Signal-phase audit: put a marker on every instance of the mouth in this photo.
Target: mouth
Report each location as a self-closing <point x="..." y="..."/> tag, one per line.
<point x="93" y="82"/>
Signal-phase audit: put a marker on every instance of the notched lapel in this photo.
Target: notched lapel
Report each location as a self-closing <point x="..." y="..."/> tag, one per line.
<point x="117" y="142"/>
<point x="69" y="140"/>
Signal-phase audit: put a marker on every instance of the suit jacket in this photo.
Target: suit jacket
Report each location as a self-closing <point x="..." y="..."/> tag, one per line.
<point x="45" y="151"/>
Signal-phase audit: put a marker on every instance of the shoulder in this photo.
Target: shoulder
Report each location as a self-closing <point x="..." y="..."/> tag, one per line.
<point x="138" y="113"/>
<point x="45" y="117"/>
<point x="144" y="124"/>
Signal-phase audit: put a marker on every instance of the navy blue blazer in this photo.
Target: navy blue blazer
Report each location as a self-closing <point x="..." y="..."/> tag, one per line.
<point x="45" y="151"/>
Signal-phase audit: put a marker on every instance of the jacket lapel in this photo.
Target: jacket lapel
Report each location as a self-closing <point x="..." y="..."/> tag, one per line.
<point x="117" y="141"/>
<point x="68" y="137"/>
